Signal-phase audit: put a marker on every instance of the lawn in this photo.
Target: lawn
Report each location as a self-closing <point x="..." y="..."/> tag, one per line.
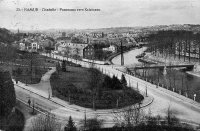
<point x="75" y="85"/>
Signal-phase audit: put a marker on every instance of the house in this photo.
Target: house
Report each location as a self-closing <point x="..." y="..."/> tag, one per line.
<point x="111" y="48"/>
<point x="22" y="46"/>
<point x="71" y="49"/>
<point x="34" y="46"/>
<point x="89" y="52"/>
<point x="29" y="46"/>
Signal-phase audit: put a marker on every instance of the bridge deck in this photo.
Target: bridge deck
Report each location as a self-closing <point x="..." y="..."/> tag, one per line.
<point x="162" y="66"/>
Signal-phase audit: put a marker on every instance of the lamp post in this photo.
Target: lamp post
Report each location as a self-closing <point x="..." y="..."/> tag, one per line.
<point x="146" y="90"/>
<point x="117" y="102"/>
<point x="49" y="93"/>
<point x="195" y="97"/>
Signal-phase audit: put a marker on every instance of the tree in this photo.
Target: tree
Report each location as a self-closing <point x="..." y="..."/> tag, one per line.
<point x="123" y="80"/>
<point x="58" y="68"/>
<point x="45" y="123"/>
<point x="15" y="121"/>
<point x="129" y="117"/>
<point x="107" y="83"/>
<point x="171" y="118"/>
<point x="95" y="81"/>
<point x="7" y="53"/>
<point x="64" y="66"/>
<point x="91" y="124"/>
<point x="116" y="84"/>
<point x="49" y="49"/>
<point x="7" y="94"/>
<point x="70" y="125"/>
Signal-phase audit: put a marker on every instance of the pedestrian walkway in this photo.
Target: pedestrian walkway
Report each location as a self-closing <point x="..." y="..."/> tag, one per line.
<point x="43" y="88"/>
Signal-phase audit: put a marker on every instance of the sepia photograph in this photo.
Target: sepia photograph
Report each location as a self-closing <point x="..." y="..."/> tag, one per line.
<point x="99" y="65"/>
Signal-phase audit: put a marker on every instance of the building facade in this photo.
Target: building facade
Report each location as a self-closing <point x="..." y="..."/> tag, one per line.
<point x="70" y="49"/>
<point x="111" y="48"/>
<point x="89" y="52"/>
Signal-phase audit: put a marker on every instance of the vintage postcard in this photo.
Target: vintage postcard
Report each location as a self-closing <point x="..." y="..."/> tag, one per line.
<point x="99" y="65"/>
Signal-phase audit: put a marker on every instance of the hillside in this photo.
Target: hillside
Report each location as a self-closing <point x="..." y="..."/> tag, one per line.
<point x="6" y="36"/>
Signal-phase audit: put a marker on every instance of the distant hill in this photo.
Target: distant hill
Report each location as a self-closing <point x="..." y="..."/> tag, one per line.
<point x="189" y="27"/>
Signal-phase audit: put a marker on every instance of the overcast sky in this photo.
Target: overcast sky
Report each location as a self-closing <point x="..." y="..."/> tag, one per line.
<point x="114" y="13"/>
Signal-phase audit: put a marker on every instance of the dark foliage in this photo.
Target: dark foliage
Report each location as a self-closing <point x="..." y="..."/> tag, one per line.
<point x="7" y="53"/>
<point x="7" y="37"/>
<point x="7" y="94"/>
<point x="112" y="83"/>
<point x="58" y="67"/>
<point x="70" y="125"/>
<point x="64" y="66"/>
<point x="16" y="121"/>
<point x="77" y="40"/>
<point x="123" y="80"/>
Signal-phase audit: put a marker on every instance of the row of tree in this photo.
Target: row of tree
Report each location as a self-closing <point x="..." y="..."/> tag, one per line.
<point x="175" y="43"/>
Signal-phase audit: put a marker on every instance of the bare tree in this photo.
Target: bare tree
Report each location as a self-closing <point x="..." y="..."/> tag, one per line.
<point x="171" y="119"/>
<point x="132" y="116"/>
<point x="91" y="124"/>
<point x="95" y="81"/>
<point x="45" y="123"/>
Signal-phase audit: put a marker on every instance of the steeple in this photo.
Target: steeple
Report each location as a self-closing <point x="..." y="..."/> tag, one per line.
<point x="18" y="31"/>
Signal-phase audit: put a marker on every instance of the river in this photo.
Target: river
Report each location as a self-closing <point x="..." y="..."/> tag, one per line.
<point x="175" y="80"/>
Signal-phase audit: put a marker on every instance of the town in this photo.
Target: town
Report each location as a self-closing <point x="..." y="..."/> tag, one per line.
<point x="104" y="73"/>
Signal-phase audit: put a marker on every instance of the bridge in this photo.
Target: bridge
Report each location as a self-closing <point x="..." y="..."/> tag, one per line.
<point x="188" y="66"/>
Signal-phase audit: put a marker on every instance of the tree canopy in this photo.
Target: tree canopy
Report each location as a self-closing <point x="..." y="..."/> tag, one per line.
<point x="7" y="93"/>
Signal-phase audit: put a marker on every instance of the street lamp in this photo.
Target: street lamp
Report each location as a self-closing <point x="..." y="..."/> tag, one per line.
<point x="49" y="93"/>
<point x="146" y="90"/>
<point x="195" y="97"/>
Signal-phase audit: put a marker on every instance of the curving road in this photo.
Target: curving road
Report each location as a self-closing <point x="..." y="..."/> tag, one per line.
<point x="184" y="108"/>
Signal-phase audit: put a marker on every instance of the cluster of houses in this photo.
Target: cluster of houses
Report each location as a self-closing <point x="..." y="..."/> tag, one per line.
<point x="66" y="47"/>
<point x="34" y="43"/>
<point x="81" y="46"/>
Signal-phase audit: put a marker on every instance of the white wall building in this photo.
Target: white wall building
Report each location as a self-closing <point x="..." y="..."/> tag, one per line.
<point x="111" y="48"/>
<point x="72" y="48"/>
